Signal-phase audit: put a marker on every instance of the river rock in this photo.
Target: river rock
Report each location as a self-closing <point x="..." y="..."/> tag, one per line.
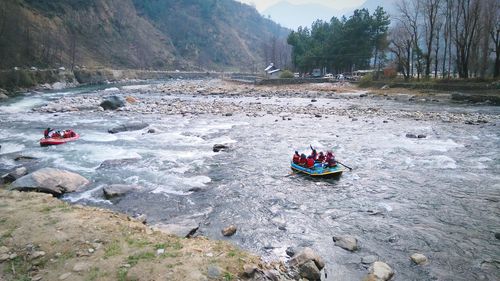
<point x="14" y="175"/>
<point x="116" y="190"/>
<point x="3" y="94"/>
<point x="290" y="251"/>
<point x="421" y="136"/>
<point x="411" y="136"/>
<point x="346" y="242"/>
<point x="379" y="271"/>
<point x="418" y="258"/>
<point x="229" y="231"/>
<point x="220" y="147"/>
<point x="497" y="235"/>
<point x="307" y="254"/>
<point x="310" y="271"/>
<point x="117" y="163"/>
<point x="369" y="259"/>
<point x="112" y="103"/>
<point x="37" y="254"/>
<point x="4" y="257"/>
<point x="50" y="180"/>
<point x="128" y="127"/>
<point x="184" y="228"/>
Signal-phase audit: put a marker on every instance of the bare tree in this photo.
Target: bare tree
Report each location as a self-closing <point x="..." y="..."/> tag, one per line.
<point x="401" y="44"/>
<point x="409" y="17"/>
<point x="492" y="19"/>
<point x="437" y="45"/>
<point x="466" y="27"/>
<point x="446" y="13"/>
<point x="430" y="9"/>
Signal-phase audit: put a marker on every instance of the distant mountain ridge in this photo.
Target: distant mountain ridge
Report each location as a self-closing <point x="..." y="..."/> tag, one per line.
<point x="292" y="15"/>
<point x="134" y="34"/>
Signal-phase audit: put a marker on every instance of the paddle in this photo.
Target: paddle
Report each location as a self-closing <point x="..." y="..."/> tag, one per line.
<point x="350" y="169"/>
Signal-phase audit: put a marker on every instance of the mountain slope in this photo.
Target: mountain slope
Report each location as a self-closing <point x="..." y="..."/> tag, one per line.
<point x="158" y="34"/>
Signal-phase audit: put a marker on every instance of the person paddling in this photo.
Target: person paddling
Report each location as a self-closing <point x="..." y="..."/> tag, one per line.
<point x="330" y="160"/>
<point x="310" y="162"/>
<point x="321" y="157"/>
<point x="296" y="158"/>
<point x="48" y="133"/>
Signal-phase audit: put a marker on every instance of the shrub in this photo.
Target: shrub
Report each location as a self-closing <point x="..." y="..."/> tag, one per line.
<point x="366" y="80"/>
<point x="286" y="74"/>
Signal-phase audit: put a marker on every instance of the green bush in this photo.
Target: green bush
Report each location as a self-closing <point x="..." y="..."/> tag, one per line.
<point x="286" y="74"/>
<point x="366" y="81"/>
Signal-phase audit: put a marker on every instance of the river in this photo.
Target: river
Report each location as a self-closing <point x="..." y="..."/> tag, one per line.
<point x="438" y="196"/>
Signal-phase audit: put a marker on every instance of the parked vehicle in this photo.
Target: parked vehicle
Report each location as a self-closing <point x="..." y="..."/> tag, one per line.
<point x="328" y="76"/>
<point x="316" y="72"/>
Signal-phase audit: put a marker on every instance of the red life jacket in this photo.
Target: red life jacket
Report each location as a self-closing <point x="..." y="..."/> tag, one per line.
<point x="303" y="161"/>
<point x="296" y="158"/>
<point x="321" y="158"/>
<point x="310" y="162"/>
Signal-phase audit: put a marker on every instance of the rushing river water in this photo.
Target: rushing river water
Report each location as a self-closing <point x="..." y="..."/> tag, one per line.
<point x="438" y="196"/>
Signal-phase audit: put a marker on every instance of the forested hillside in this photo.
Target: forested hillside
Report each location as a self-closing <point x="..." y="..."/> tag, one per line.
<point x="138" y="34"/>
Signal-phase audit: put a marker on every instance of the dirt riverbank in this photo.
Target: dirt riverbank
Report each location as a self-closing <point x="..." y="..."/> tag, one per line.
<point x="43" y="238"/>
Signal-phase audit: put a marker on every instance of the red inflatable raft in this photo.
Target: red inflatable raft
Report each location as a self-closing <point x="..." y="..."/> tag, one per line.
<point x="71" y="136"/>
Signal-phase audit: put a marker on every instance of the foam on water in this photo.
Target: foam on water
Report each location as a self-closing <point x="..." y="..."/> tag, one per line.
<point x="136" y="87"/>
<point x="432" y="162"/>
<point x="97" y="153"/>
<point x="93" y="136"/>
<point x="181" y="155"/>
<point x="87" y="196"/>
<point x="181" y="185"/>
<point x="10" y="147"/>
<point x="23" y="105"/>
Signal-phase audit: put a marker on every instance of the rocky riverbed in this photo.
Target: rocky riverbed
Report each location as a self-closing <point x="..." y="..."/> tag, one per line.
<point x="230" y="98"/>
<point x="211" y="158"/>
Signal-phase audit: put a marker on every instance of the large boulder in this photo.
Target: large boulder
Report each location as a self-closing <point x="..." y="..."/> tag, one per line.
<point x="128" y="127"/>
<point x="116" y="190"/>
<point x="310" y="271"/>
<point x="379" y="271"/>
<point x="14" y="175"/>
<point x="346" y="242"/>
<point x="306" y="255"/>
<point x="50" y="180"/>
<point x="112" y="103"/>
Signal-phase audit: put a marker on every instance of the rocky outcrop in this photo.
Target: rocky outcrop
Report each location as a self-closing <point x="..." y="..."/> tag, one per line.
<point x="128" y="127"/>
<point x="50" y="180"/>
<point x="112" y="103"/>
<point x="346" y="242"/>
<point x="116" y="190"/>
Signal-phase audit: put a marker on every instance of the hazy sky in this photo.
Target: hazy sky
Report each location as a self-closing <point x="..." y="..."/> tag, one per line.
<point x="337" y="4"/>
